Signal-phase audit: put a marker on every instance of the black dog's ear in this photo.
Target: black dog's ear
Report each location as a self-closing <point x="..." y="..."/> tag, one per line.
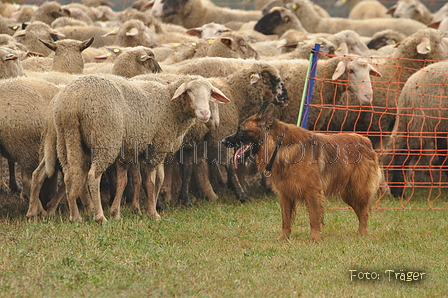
<point x="267" y="114"/>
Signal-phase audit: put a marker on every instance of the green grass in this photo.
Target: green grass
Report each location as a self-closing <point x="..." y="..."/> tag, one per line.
<point x="224" y="250"/>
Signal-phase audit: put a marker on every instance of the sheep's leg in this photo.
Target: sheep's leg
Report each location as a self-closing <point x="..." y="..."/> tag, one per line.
<point x="93" y="181"/>
<point x="35" y="207"/>
<point x="122" y="180"/>
<point x="402" y="158"/>
<point x="168" y="183"/>
<point x="26" y="184"/>
<point x="151" y="193"/>
<point x="12" y="175"/>
<point x="54" y="202"/>
<point x="186" y="169"/>
<point x="136" y="179"/>
<point x="239" y="191"/>
<point x="202" y="176"/>
<point x="111" y="174"/>
<point x="72" y="182"/>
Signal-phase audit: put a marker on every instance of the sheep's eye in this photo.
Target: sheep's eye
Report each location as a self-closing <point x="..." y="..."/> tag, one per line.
<point x="351" y="71"/>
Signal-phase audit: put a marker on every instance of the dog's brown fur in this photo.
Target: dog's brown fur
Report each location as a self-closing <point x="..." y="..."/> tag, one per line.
<point x="311" y="166"/>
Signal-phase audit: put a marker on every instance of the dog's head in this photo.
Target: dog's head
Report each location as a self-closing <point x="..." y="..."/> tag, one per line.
<point x="251" y="133"/>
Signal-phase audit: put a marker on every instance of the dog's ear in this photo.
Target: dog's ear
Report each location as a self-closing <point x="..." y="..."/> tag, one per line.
<point x="267" y="114"/>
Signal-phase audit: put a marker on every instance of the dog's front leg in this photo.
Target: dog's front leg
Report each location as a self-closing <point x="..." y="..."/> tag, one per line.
<point x="287" y="206"/>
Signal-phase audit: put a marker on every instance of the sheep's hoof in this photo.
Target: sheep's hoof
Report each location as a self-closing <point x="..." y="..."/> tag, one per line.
<point x="36" y="215"/>
<point x="135" y="210"/>
<point x="78" y="219"/>
<point x="100" y="219"/>
<point x="212" y="198"/>
<point x="115" y="214"/>
<point x="155" y="216"/>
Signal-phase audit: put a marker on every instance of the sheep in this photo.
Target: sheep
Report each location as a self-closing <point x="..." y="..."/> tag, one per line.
<point x="321" y="11"/>
<point x="4" y="28"/>
<point x="303" y="49"/>
<point x="22" y="113"/>
<point x="228" y="45"/>
<point x="247" y="88"/>
<point x="135" y="61"/>
<point x="440" y="19"/>
<point x="413" y="53"/>
<point x="353" y="71"/>
<point x="208" y="30"/>
<point x="385" y="37"/>
<point x="48" y="12"/>
<point x="411" y="9"/>
<point x="7" y="9"/>
<point x="68" y="56"/>
<point x="207" y="66"/>
<point x="134" y="33"/>
<point x="10" y="65"/>
<point x="364" y="9"/>
<point x="101" y="38"/>
<point x="35" y="31"/>
<point x="96" y="3"/>
<point x="195" y="13"/>
<point x="277" y="21"/>
<point x="67" y="21"/>
<point x="312" y="22"/>
<point x="24" y="13"/>
<point x="420" y="124"/>
<point x="127" y="117"/>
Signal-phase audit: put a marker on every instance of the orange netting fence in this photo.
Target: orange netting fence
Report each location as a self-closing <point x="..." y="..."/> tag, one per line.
<point x="407" y="122"/>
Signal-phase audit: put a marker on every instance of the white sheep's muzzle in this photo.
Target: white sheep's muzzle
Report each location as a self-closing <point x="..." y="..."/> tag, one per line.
<point x="203" y="115"/>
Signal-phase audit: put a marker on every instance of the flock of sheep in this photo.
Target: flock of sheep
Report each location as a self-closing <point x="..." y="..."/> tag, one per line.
<point x="146" y="95"/>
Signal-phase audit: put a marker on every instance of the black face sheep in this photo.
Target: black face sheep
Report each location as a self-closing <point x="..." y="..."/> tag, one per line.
<point x="125" y="119"/>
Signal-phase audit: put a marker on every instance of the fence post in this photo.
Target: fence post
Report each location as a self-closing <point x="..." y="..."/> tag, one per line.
<point x="308" y="88"/>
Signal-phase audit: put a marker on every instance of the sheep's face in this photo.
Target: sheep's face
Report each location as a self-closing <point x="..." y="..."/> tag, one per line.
<point x="357" y="73"/>
<point x="200" y="92"/>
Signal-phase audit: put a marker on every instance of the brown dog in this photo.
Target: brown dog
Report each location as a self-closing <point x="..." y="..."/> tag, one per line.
<point x="307" y="166"/>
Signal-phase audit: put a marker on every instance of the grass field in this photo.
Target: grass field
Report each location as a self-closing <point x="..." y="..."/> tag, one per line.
<point x="226" y="250"/>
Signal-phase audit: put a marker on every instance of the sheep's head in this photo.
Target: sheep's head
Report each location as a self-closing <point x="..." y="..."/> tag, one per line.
<point x="200" y="92"/>
<point x="277" y="21"/>
<point x="357" y="71"/>
<point x="237" y="43"/>
<point x="267" y="78"/>
<point x="165" y="8"/>
<point x="425" y="44"/>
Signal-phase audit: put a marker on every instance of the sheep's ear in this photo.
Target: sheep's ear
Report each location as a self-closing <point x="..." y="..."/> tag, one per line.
<point x="391" y="10"/>
<point x="51" y="45"/>
<point x="226" y="41"/>
<point x="66" y="11"/>
<point x="10" y="56"/>
<point x="132" y="32"/>
<point x="218" y="96"/>
<point x="148" y="5"/>
<point x="421" y="9"/>
<point x="434" y="24"/>
<point x="20" y="33"/>
<point x="254" y="78"/>
<point x="374" y="72"/>
<point x="342" y="49"/>
<point x="339" y="70"/>
<point x="15" y="28"/>
<point x="112" y="32"/>
<point x="182" y="88"/>
<point x="424" y="47"/>
<point x="86" y="43"/>
<point x="115" y="51"/>
<point x="194" y="31"/>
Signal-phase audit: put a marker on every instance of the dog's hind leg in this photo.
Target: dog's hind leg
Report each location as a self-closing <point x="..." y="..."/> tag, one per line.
<point x="360" y="202"/>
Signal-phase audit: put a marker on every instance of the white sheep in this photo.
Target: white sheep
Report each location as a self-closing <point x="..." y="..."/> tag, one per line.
<point x="312" y="22"/>
<point x="195" y="13"/>
<point x="364" y="9"/>
<point x="420" y="125"/>
<point x="128" y="118"/>
<point x="411" y="9"/>
<point x="48" y="12"/>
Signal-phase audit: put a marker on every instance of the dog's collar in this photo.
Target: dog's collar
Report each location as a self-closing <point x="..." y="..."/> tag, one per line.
<point x="273" y="156"/>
